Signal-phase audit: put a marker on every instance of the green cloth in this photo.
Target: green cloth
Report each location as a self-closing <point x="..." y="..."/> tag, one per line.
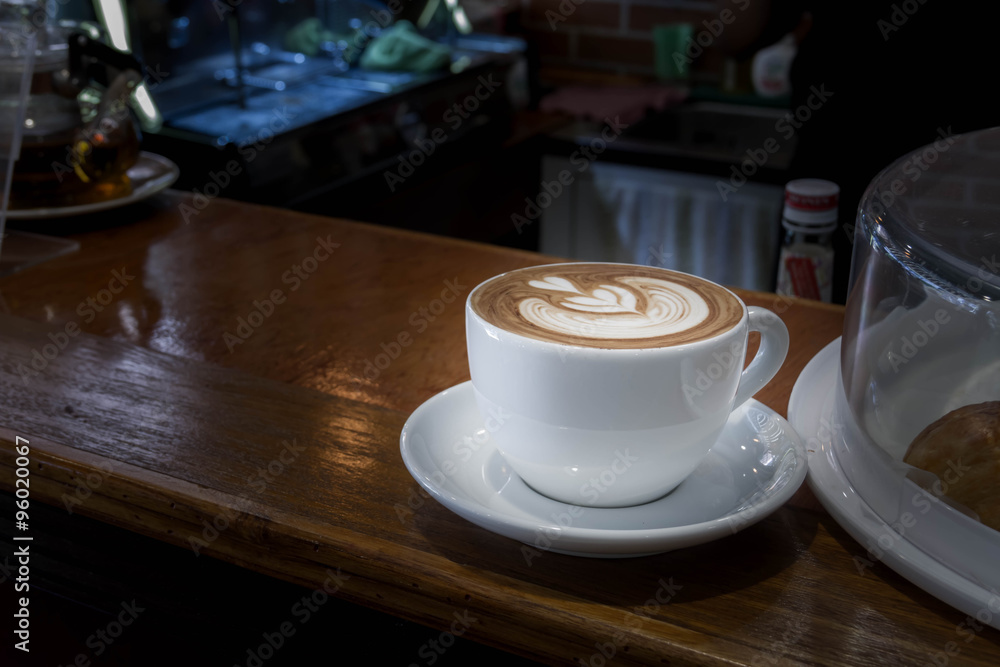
<point x="307" y="36"/>
<point x="401" y="48"/>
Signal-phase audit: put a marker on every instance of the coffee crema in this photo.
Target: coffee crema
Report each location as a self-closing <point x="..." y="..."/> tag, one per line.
<point x="607" y="305"/>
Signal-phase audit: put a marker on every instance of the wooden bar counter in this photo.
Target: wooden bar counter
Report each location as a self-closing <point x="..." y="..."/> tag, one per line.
<point x="233" y="380"/>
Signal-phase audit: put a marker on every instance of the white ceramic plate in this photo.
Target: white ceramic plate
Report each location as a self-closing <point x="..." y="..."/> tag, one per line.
<point x="150" y="174"/>
<point x="758" y="463"/>
<point x="810" y="406"/>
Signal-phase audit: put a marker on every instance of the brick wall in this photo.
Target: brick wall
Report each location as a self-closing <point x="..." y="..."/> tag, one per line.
<point x="614" y="35"/>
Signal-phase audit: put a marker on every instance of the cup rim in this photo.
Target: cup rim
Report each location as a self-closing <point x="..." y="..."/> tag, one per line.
<point x="607" y="350"/>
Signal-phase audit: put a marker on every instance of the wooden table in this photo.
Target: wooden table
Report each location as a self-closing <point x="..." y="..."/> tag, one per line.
<point x="211" y="377"/>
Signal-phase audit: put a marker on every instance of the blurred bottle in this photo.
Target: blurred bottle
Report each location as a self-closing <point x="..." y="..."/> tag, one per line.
<point x="805" y="263"/>
<point x="771" y="67"/>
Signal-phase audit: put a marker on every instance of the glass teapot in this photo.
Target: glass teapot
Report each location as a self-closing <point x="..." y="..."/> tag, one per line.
<point x="78" y="135"/>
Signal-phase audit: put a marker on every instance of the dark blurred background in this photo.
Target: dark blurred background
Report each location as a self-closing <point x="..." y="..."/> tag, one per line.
<point x="674" y="125"/>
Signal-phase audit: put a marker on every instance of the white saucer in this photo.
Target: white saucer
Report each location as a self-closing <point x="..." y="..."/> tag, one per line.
<point x="149" y="175"/>
<point x="758" y="463"/>
<point x="810" y="406"/>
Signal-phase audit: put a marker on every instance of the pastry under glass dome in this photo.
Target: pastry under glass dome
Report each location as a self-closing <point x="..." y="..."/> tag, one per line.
<point x="920" y="347"/>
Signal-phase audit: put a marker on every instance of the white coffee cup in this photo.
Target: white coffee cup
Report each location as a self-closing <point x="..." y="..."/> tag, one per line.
<point x="610" y="422"/>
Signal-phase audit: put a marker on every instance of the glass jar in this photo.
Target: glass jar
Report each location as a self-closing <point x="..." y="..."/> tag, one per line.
<point x="809" y="218"/>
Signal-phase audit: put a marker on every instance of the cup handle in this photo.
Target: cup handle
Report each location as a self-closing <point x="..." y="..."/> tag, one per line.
<point x="770" y="355"/>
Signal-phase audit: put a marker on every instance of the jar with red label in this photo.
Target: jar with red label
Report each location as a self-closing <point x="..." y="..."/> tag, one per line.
<point x="805" y="263"/>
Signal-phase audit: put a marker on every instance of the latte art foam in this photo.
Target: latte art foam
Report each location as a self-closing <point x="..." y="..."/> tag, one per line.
<point x="607" y="305"/>
<point x="634" y="308"/>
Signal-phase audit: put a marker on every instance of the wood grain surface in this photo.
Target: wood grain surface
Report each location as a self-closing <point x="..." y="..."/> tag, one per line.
<point x="156" y="400"/>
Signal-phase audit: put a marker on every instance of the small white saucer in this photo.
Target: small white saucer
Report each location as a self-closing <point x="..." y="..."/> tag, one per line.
<point x="758" y="463"/>
<point x="810" y="410"/>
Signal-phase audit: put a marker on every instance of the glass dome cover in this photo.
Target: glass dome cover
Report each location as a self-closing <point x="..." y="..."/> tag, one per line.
<point x="939" y="208"/>
<point x="919" y="410"/>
